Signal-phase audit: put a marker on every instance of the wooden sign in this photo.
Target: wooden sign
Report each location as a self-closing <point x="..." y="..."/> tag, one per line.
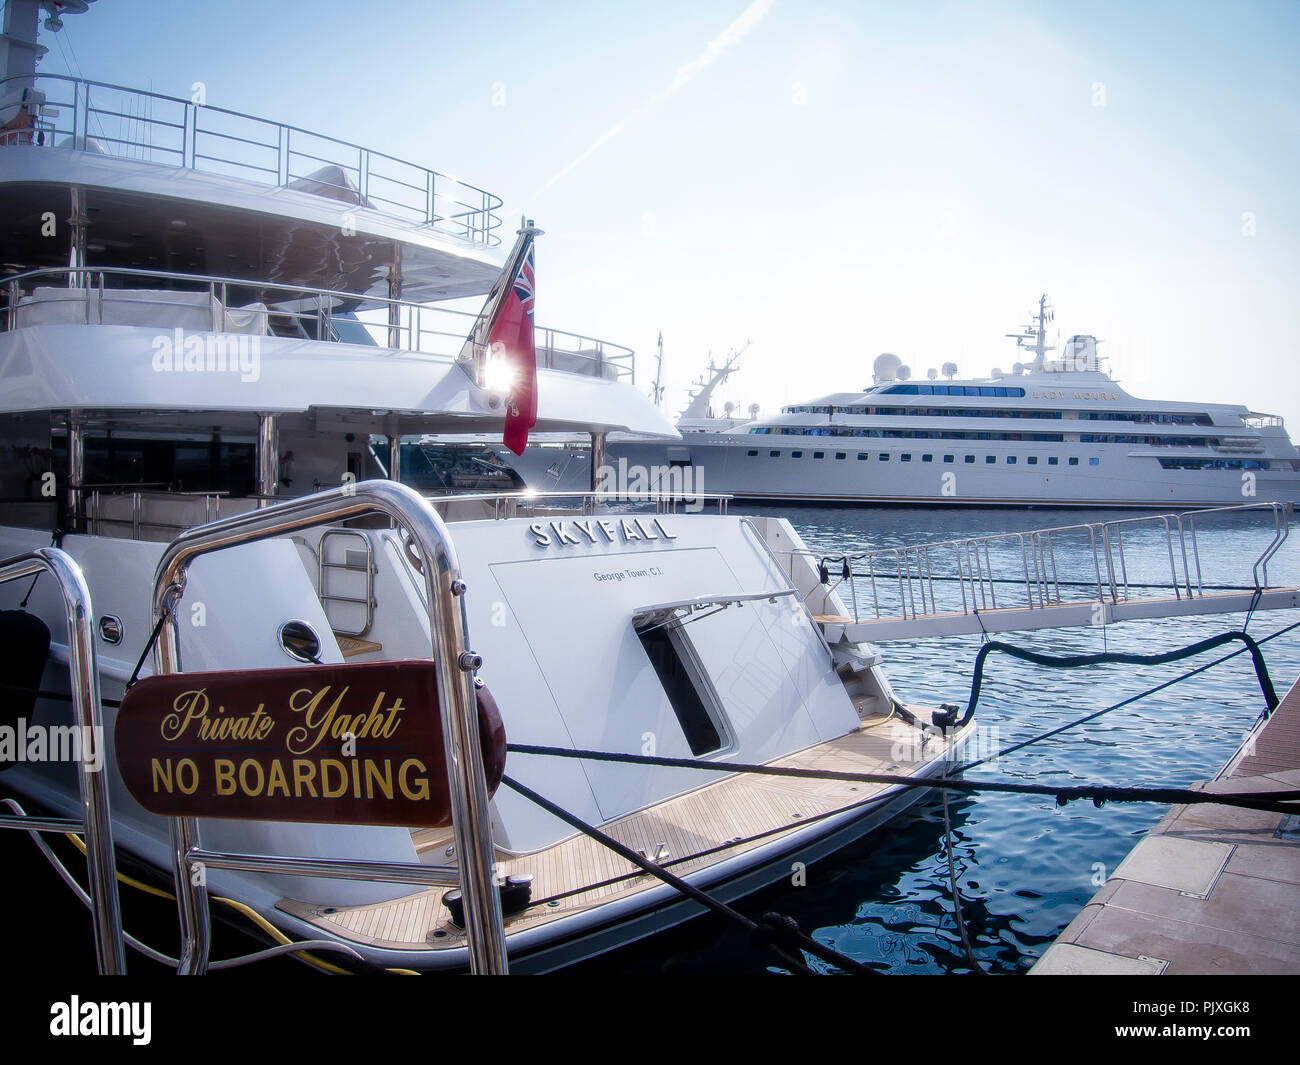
<point x="339" y="744"/>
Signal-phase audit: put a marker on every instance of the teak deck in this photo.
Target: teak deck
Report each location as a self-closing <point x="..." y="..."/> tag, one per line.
<point x="733" y="808"/>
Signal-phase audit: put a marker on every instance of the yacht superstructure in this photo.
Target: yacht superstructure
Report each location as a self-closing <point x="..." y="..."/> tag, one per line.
<point x="218" y="331"/>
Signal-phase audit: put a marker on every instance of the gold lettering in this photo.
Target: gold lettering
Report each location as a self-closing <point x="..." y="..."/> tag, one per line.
<point x="420" y="791"/>
<point x="259" y="777"/>
<point x="327" y="790"/>
<point x="278" y="782"/>
<point x="304" y="777"/>
<point x="373" y="777"/>
<point x="317" y="722"/>
<point x="224" y="768"/>
<point x="187" y="707"/>
<point x="161" y="774"/>
<point x="186" y="767"/>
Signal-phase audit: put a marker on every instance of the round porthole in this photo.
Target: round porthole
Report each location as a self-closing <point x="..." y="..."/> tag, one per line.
<point x="110" y="628"/>
<point x="300" y="642"/>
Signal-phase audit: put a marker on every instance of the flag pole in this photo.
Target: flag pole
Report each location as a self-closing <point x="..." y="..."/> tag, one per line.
<point x="473" y="353"/>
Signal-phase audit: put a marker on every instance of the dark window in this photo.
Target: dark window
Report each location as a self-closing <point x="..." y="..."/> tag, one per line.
<point x="947" y="458"/>
<point x="819" y="454"/>
<point x="1011" y="460"/>
<point x="905" y="457"/>
<point x="1074" y="462"/>
<point x="970" y="458"/>
<point x="774" y="454"/>
<point x="1032" y="460"/>
<point x="752" y="454"/>
<point x="796" y="454"/>
<point x="1052" y="460"/>
<point x="927" y="458"/>
<point x="1094" y="462"/>
<point x="689" y="693"/>
<point x="884" y="456"/>
<point x="990" y="458"/>
<point x="863" y="455"/>
<point x="840" y="455"/>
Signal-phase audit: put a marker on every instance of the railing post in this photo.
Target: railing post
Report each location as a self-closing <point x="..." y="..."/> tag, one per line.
<point x="93" y="779"/>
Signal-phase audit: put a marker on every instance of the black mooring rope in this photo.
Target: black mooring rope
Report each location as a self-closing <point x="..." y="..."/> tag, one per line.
<point x="1099" y="794"/>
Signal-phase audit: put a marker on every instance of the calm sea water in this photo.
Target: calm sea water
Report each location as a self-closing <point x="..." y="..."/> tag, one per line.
<point x="1024" y="866"/>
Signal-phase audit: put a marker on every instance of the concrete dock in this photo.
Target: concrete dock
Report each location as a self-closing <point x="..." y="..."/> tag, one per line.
<point x="1210" y="889"/>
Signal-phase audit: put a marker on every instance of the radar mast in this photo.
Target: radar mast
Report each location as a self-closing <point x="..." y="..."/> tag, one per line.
<point x="1033" y="337"/>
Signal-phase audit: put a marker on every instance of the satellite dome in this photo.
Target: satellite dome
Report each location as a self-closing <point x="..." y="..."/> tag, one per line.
<point x="996" y="374"/>
<point x="1018" y="369"/>
<point x="885" y="368"/>
<point x="904" y="372"/>
<point x="931" y="373"/>
<point x="950" y="370"/>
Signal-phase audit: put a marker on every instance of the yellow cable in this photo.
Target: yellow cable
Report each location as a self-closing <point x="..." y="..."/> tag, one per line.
<point x="876" y="724"/>
<point x="239" y="907"/>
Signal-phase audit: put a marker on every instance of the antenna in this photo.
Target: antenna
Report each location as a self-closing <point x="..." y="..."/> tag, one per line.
<point x="657" y="391"/>
<point x="1033" y="337"/>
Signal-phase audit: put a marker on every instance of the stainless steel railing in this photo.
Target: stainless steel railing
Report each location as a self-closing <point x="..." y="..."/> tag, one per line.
<point x="309" y="313"/>
<point x="444" y="592"/>
<point x="1021" y="569"/>
<point x="527" y="503"/>
<point x="171" y="131"/>
<point x="95" y="821"/>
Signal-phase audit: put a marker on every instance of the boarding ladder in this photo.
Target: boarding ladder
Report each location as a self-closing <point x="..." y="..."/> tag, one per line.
<point x="1068" y="575"/>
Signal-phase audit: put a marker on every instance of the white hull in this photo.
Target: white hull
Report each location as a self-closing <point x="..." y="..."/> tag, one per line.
<point x="744" y="467"/>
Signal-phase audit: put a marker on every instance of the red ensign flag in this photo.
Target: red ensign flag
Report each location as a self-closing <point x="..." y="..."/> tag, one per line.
<point x="511" y="339"/>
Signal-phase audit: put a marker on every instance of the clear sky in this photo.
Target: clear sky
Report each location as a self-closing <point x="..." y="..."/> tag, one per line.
<point x="828" y="180"/>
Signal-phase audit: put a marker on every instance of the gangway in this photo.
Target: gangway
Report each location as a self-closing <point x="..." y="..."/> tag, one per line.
<point x="1086" y="574"/>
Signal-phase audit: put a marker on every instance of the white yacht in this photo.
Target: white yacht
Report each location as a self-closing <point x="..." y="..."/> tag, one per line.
<point x="1054" y="432"/>
<point x="215" y="326"/>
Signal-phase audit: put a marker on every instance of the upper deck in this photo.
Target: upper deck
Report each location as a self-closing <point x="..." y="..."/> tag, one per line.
<point x="171" y="182"/>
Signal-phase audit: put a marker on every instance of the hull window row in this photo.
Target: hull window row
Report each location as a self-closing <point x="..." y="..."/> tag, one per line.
<point x="1009" y="460"/>
<point x="1214" y="464"/>
<point x="901" y="434"/>
<point x="1128" y="417"/>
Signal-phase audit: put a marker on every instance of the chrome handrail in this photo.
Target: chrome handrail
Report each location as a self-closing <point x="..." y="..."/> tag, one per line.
<point x="454" y="664"/>
<point x="95" y="822"/>
<point x="404" y="326"/>
<point x="187" y="136"/>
